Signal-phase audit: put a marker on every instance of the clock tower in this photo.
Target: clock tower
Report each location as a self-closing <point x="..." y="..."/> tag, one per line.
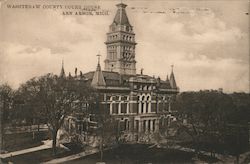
<point x="121" y="44"/>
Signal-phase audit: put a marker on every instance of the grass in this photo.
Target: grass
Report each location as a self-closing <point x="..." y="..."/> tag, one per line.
<point x="129" y="154"/>
<point x="138" y="154"/>
<point x="38" y="156"/>
<point x="19" y="141"/>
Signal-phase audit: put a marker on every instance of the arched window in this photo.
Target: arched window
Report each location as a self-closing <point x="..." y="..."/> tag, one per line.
<point x="142" y="104"/>
<point x="147" y="103"/>
<point x="148" y="98"/>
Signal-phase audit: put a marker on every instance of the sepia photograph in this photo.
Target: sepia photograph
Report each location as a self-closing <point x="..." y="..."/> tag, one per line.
<point x="124" y="81"/>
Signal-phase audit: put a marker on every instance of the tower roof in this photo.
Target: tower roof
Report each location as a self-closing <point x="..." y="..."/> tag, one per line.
<point x="172" y="79"/>
<point x="62" y="73"/>
<point x="98" y="79"/>
<point x="167" y="80"/>
<point x="121" y="16"/>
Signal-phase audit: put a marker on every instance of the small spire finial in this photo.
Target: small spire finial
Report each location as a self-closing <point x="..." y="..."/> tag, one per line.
<point x="98" y="55"/>
<point x="172" y="67"/>
<point x="62" y="74"/>
<point x="142" y="71"/>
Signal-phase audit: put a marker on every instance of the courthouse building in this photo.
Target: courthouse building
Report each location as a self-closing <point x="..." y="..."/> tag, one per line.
<point x="140" y="104"/>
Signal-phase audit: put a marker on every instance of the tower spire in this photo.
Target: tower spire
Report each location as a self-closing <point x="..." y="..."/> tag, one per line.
<point x="167" y="79"/>
<point x="98" y="78"/>
<point x="62" y="73"/>
<point x="172" y="68"/>
<point x="98" y="55"/>
<point x="172" y="78"/>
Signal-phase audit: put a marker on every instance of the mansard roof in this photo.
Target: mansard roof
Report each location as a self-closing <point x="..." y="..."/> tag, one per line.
<point x="115" y="79"/>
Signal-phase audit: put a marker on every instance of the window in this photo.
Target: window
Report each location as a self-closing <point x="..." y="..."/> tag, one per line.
<point x="149" y="122"/>
<point x="123" y="98"/>
<point x="115" y="108"/>
<point x="142" y="107"/>
<point x="148" y="98"/>
<point x="136" y="125"/>
<point x="126" y="124"/>
<point x="144" y="125"/>
<point x="153" y="125"/>
<point x="108" y="98"/>
<point x="146" y="107"/>
<point x="124" y="108"/>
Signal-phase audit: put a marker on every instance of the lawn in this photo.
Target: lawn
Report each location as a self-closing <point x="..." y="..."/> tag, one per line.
<point x="19" y="141"/>
<point x="38" y="156"/>
<point x="129" y="154"/>
<point x="138" y="154"/>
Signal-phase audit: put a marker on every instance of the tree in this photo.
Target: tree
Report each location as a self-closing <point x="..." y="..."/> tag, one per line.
<point x="206" y="114"/>
<point x="106" y="130"/>
<point x="241" y="112"/>
<point x="6" y="100"/>
<point x="53" y="98"/>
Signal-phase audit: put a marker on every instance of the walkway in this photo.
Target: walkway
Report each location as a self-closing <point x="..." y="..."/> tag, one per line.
<point x="47" y="144"/>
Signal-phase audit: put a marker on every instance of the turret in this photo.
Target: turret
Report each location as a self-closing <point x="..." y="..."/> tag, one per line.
<point x="172" y="79"/>
<point x="98" y="79"/>
<point x="62" y="73"/>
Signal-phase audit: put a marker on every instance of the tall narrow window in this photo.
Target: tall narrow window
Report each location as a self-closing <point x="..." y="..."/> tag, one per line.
<point x="149" y="125"/>
<point x="144" y="125"/>
<point x="153" y="125"/>
<point x="142" y="104"/>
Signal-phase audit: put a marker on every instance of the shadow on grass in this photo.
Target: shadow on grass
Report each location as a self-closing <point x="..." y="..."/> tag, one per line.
<point x="138" y="154"/>
<point x="20" y="141"/>
<point x="38" y="156"/>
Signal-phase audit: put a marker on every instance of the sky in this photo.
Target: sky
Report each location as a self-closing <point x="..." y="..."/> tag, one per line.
<point x="206" y="41"/>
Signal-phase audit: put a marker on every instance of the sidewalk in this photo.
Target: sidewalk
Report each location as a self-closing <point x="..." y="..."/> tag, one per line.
<point x="47" y="144"/>
<point x="74" y="156"/>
